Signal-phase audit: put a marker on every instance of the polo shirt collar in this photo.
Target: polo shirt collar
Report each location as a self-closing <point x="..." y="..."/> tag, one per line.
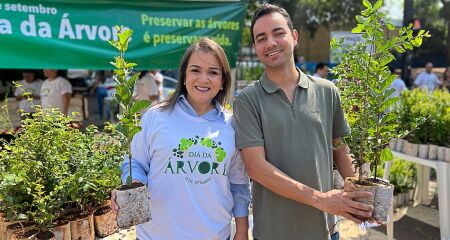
<point x="271" y="87"/>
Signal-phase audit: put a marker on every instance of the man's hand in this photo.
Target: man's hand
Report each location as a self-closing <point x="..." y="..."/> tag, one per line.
<point x="338" y="202"/>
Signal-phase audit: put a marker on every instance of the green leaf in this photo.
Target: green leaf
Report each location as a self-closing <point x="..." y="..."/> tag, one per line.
<point x="132" y="81"/>
<point x="129" y="65"/>
<point x="418" y="41"/>
<point x="390" y="26"/>
<point x="366" y="12"/>
<point x="360" y="18"/>
<point x="357" y="29"/>
<point x="386" y="155"/>
<point x="129" y="180"/>
<point x="134" y="130"/>
<point x="139" y="105"/>
<point x="377" y="5"/>
<point x="388" y="103"/>
<point x="400" y="49"/>
<point x="367" y="4"/>
<point x="387" y="83"/>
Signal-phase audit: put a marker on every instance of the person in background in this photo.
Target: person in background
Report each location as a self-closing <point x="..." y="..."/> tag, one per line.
<point x="289" y="128"/>
<point x="186" y="155"/>
<point x="100" y="91"/>
<point x="159" y="78"/>
<point x="56" y="91"/>
<point x="398" y="84"/>
<point x="321" y="70"/>
<point x="146" y="88"/>
<point x="446" y="79"/>
<point x="427" y="79"/>
<point x="28" y="93"/>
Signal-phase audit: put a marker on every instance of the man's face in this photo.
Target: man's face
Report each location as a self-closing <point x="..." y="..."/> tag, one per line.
<point x="28" y="76"/>
<point x="274" y="42"/>
<point x="429" y="67"/>
<point x="323" y="72"/>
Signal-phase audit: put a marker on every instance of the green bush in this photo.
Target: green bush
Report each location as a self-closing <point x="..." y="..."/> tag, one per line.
<point x="51" y="165"/>
<point x="434" y="110"/>
<point x="402" y="175"/>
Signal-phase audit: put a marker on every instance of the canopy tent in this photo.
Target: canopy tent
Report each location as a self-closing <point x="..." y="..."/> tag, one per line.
<point x="62" y="34"/>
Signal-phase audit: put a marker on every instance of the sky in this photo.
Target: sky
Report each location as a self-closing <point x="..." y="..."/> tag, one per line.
<point x="393" y="9"/>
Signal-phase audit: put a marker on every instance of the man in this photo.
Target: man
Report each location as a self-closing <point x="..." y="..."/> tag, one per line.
<point x="321" y="70"/>
<point x="28" y="93"/>
<point x="427" y="80"/>
<point x="286" y="126"/>
<point x="398" y="84"/>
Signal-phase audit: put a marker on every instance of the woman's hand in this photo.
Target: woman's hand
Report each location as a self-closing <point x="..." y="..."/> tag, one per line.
<point x="241" y="228"/>
<point x="114" y="205"/>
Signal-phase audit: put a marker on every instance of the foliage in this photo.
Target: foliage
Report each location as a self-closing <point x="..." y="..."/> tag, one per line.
<point x="5" y="122"/>
<point x="36" y="166"/>
<point x="51" y="164"/>
<point x="94" y="167"/>
<point x="401" y="174"/>
<point x="128" y="124"/>
<point x="313" y="13"/>
<point x="365" y="80"/>
<point x="434" y="108"/>
<point x="250" y="73"/>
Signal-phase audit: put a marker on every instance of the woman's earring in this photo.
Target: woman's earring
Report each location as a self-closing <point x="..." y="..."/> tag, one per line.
<point x="221" y="88"/>
<point x="184" y="83"/>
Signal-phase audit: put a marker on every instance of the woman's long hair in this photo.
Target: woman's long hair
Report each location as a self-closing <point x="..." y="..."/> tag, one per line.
<point x="205" y="45"/>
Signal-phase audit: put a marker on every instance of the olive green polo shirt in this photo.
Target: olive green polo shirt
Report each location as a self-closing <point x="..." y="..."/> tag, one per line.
<point x="297" y="139"/>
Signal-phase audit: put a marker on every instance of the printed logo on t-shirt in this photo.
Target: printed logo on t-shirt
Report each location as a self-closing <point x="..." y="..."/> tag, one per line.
<point x="46" y="92"/>
<point x="198" y="159"/>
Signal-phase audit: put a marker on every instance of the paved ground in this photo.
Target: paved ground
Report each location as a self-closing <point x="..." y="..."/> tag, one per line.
<point x="410" y="223"/>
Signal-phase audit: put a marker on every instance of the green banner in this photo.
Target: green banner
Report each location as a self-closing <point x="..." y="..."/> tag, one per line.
<point x="62" y="34"/>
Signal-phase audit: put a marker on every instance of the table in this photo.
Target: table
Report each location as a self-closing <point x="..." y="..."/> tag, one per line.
<point x="443" y="184"/>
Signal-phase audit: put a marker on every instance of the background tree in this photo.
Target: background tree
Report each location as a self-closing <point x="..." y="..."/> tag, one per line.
<point x="446" y="14"/>
<point x="432" y="17"/>
<point x="311" y="14"/>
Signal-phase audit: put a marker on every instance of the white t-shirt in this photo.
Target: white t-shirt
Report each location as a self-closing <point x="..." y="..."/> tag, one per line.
<point x="52" y="92"/>
<point x="34" y="88"/>
<point x="190" y="163"/>
<point x="399" y="87"/>
<point x="145" y="87"/>
<point x="427" y="80"/>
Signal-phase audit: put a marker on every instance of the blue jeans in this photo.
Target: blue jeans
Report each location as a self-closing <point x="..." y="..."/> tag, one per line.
<point x="101" y="93"/>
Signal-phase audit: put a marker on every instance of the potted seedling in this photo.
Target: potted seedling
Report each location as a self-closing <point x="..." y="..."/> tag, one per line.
<point x="131" y="198"/>
<point x="107" y="157"/>
<point x="35" y="167"/>
<point x="364" y="80"/>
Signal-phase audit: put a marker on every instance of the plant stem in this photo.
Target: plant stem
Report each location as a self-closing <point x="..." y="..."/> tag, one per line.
<point x="365" y="111"/>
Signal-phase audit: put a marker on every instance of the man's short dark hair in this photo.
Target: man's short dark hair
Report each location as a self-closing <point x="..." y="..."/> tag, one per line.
<point x="267" y="9"/>
<point x="320" y="65"/>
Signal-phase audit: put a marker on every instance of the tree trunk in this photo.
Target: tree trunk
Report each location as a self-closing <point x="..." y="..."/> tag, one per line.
<point x="446" y="13"/>
<point x="448" y="37"/>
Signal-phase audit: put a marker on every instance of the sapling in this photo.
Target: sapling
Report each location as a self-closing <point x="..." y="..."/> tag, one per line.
<point x="133" y="208"/>
<point x="365" y="80"/>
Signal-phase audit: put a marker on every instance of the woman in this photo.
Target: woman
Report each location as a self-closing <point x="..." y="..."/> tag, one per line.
<point x="56" y="91"/>
<point x="186" y="155"/>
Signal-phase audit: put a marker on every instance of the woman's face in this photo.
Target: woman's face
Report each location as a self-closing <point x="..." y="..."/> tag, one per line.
<point x="50" y="73"/>
<point x="203" y="78"/>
